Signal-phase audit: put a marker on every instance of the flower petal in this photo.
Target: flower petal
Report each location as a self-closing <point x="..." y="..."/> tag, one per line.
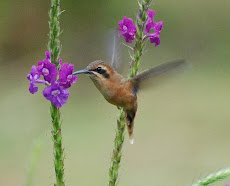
<point x="158" y="26"/>
<point x="127" y="29"/>
<point x="154" y="38"/>
<point x="56" y="94"/>
<point x="66" y="77"/>
<point x="33" y="88"/>
<point x="48" y="70"/>
<point x="155" y="26"/>
<point x="48" y="55"/>
<point x="33" y="77"/>
<point x="151" y="13"/>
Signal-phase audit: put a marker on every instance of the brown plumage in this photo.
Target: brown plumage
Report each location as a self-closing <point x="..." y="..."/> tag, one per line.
<point x="123" y="92"/>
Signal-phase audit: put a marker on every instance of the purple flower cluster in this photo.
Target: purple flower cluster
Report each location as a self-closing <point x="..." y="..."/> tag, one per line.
<point x="155" y="26"/>
<point x="58" y="82"/>
<point x="128" y="30"/>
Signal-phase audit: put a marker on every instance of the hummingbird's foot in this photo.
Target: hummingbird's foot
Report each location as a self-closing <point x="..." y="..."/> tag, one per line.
<point x="119" y="108"/>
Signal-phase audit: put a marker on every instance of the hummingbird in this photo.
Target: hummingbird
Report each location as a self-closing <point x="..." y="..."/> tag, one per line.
<point x="122" y="92"/>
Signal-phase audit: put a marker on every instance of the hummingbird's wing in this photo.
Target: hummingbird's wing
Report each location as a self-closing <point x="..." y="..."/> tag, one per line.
<point x="162" y="69"/>
<point x="114" y="49"/>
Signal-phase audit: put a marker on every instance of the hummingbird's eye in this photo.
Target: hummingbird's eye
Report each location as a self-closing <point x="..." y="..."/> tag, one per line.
<point x="99" y="69"/>
<point x="102" y="71"/>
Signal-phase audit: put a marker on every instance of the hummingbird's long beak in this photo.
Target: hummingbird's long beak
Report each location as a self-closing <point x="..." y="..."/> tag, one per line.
<point x="85" y="71"/>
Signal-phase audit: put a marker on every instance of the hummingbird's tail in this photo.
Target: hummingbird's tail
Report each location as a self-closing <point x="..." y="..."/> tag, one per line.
<point x="130" y="115"/>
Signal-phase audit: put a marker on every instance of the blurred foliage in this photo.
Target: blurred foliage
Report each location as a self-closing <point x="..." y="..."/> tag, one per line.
<point x="182" y="128"/>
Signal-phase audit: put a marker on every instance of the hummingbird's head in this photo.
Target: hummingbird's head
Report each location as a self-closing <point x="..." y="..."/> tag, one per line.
<point x="97" y="70"/>
<point x="102" y="75"/>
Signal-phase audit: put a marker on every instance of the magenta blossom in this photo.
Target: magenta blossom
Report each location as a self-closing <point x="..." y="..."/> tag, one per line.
<point x="57" y="82"/>
<point x="48" y="70"/>
<point x="127" y="29"/>
<point x="60" y="61"/>
<point x="66" y="77"/>
<point x="48" y="55"/>
<point x="155" y="26"/>
<point x="149" y="22"/>
<point x="33" y="77"/>
<point x="154" y="38"/>
<point x="56" y="94"/>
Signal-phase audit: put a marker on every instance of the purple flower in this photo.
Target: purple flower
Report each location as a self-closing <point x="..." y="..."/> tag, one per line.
<point x="56" y="94"/>
<point x="158" y="26"/>
<point x="154" y="38"/>
<point x="33" y="77"/>
<point x="66" y="77"/>
<point x="155" y="26"/>
<point x="60" y="61"/>
<point x="48" y="55"/>
<point x="57" y="91"/>
<point x="33" y="88"/>
<point x="48" y="70"/>
<point x="150" y="23"/>
<point x="127" y="29"/>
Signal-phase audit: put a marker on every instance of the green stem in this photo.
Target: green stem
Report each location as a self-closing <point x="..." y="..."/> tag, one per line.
<point x="116" y="156"/>
<point x="54" y="47"/>
<point x="139" y="39"/>
<point x="213" y="177"/>
<point x="58" y="149"/>
<point x="120" y="131"/>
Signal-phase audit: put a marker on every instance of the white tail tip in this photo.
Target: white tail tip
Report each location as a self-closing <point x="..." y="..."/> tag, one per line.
<point x="131" y="141"/>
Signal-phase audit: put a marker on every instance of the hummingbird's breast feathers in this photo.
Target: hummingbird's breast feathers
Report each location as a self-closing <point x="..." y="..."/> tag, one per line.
<point x="118" y="92"/>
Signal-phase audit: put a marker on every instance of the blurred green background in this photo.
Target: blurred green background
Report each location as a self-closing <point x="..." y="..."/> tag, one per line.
<point x="182" y="127"/>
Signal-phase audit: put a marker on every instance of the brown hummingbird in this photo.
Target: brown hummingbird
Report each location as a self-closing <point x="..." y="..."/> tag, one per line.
<point x="122" y="92"/>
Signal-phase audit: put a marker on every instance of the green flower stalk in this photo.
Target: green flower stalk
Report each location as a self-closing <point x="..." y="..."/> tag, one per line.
<point x="213" y="177"/>
<point x="54" y="47"/>
<point x="140" y="37"/>
<point x="58" y="149"/>
<point x="137" y="53"/>
<point x="58" y="78"/>
<point x="116" y="156"/>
